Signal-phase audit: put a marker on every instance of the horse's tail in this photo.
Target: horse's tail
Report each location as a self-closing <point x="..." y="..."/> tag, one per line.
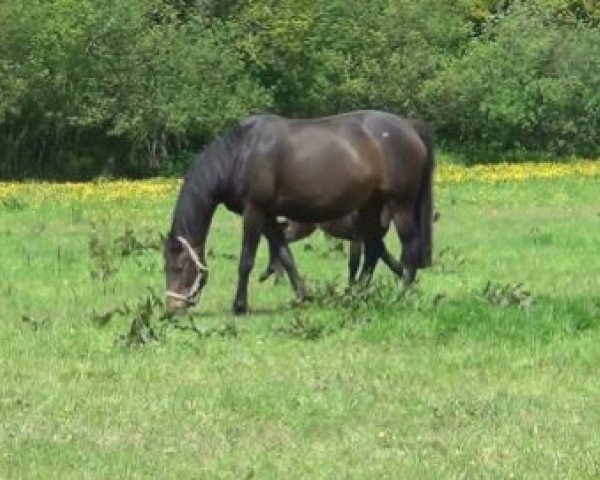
<point x="424" y="209"/>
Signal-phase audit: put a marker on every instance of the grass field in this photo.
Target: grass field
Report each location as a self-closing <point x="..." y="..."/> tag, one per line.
<point x="487" y="368"/>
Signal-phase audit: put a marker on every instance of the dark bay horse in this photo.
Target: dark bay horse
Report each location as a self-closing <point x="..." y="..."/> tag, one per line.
<point x="309" y="171"/>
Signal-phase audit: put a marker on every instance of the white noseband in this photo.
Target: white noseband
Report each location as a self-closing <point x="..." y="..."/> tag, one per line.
<point x="189" y="298"/>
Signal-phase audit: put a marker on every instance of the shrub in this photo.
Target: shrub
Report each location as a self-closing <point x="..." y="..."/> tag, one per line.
<point x="530" y="82"/>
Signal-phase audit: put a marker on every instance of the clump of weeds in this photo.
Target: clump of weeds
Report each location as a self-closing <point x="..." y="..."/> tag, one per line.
<point x="507" y="295"/>
<point x="357" y="306"/>
<point x="14" y="204"/>
<point x="107" y="251"/>
<point x="149" y="322"/>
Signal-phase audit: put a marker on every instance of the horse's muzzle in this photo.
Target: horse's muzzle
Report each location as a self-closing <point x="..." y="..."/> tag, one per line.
<point x="175" y="305"/>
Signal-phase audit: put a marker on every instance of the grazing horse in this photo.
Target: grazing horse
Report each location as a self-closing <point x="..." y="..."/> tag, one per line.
<point x="309" y="171"/>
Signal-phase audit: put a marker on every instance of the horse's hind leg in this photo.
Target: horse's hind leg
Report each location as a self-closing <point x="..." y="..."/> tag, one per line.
<point x="409" y="236"/>
<point x="274" y="266"/>
<point x="393" y="264"/>
<point x="356" y="248"/>
<point x="373" y="249"/>
<point x="282" y="252"/>
<point x="293" y="231"/>
<point x="372" y="231"/>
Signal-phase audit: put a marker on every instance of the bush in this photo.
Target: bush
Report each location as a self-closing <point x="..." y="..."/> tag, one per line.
<point x="90" y="87"/>
<point x="320" y="57"/>
<point x="529" y="83"/>
<point x="121" y="84"/>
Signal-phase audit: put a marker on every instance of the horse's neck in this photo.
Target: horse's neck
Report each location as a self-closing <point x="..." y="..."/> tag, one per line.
<point x="193" y="216"/>
<point x="211" y="180"/>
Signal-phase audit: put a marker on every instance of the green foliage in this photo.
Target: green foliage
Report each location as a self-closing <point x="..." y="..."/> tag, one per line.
<point x="321" y="57"/>
<point x="528" y="83"/>
<point x="565" y="11"/>
<point x="115" y="84"/>
<point x="90" y="87"/>
<point x="14" y="204"/>
<point x="36" y="323"/>
<point x="149" y="323"/>
<point x="102" y="255"/>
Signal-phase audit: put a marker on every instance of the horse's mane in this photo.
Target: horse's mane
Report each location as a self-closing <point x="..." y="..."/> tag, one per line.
<point x="214" y="162"/>
<point x="223" y="149"/>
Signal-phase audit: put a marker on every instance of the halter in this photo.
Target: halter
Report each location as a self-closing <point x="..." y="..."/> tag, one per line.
<point x="189" y="298"/>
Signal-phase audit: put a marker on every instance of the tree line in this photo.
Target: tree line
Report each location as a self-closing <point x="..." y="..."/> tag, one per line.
<point x="90" y="87"/>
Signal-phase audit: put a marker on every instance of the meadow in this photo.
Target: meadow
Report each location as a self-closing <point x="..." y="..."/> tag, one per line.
<point x="486" y="368"/>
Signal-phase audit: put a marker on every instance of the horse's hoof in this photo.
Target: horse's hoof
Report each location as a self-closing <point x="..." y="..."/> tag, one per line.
<point x="408" y="276"/>
<point x="303" y="299"/>
<point x="264" y="276"/>
<point x="296" y="302"/>
<point x="240" y="308"/>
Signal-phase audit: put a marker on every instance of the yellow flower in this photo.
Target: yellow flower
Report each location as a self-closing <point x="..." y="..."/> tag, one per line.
<point x="450" y="173"/>
<point x="105" y="190"/>
<point x="161" y="188"/>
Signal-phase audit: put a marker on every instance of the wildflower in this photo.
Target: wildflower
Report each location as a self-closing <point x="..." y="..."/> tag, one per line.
<point x="160" y="188"/>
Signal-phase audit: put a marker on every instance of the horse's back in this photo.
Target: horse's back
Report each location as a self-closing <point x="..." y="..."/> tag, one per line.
<point x="332" y="164"/>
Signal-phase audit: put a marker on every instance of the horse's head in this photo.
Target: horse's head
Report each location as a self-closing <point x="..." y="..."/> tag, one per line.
<point x="186" y="275"/>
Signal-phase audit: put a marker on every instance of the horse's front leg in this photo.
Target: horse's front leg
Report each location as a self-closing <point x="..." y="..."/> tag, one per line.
<point x="254" y="221"/>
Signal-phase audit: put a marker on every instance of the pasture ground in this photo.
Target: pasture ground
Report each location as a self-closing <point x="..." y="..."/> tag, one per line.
<point x="468" y="375"/>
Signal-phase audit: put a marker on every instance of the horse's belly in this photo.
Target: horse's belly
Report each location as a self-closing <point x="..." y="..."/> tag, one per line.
<point x="323" y="201"/>
<point x="301" y="213"/>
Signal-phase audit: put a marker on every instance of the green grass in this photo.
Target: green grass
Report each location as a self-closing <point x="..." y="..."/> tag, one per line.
<point x="448" y="381"/>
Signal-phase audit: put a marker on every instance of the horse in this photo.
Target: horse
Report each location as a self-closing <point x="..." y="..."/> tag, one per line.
<point x="307" y="170"/>
<point x="344" y="228"/>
